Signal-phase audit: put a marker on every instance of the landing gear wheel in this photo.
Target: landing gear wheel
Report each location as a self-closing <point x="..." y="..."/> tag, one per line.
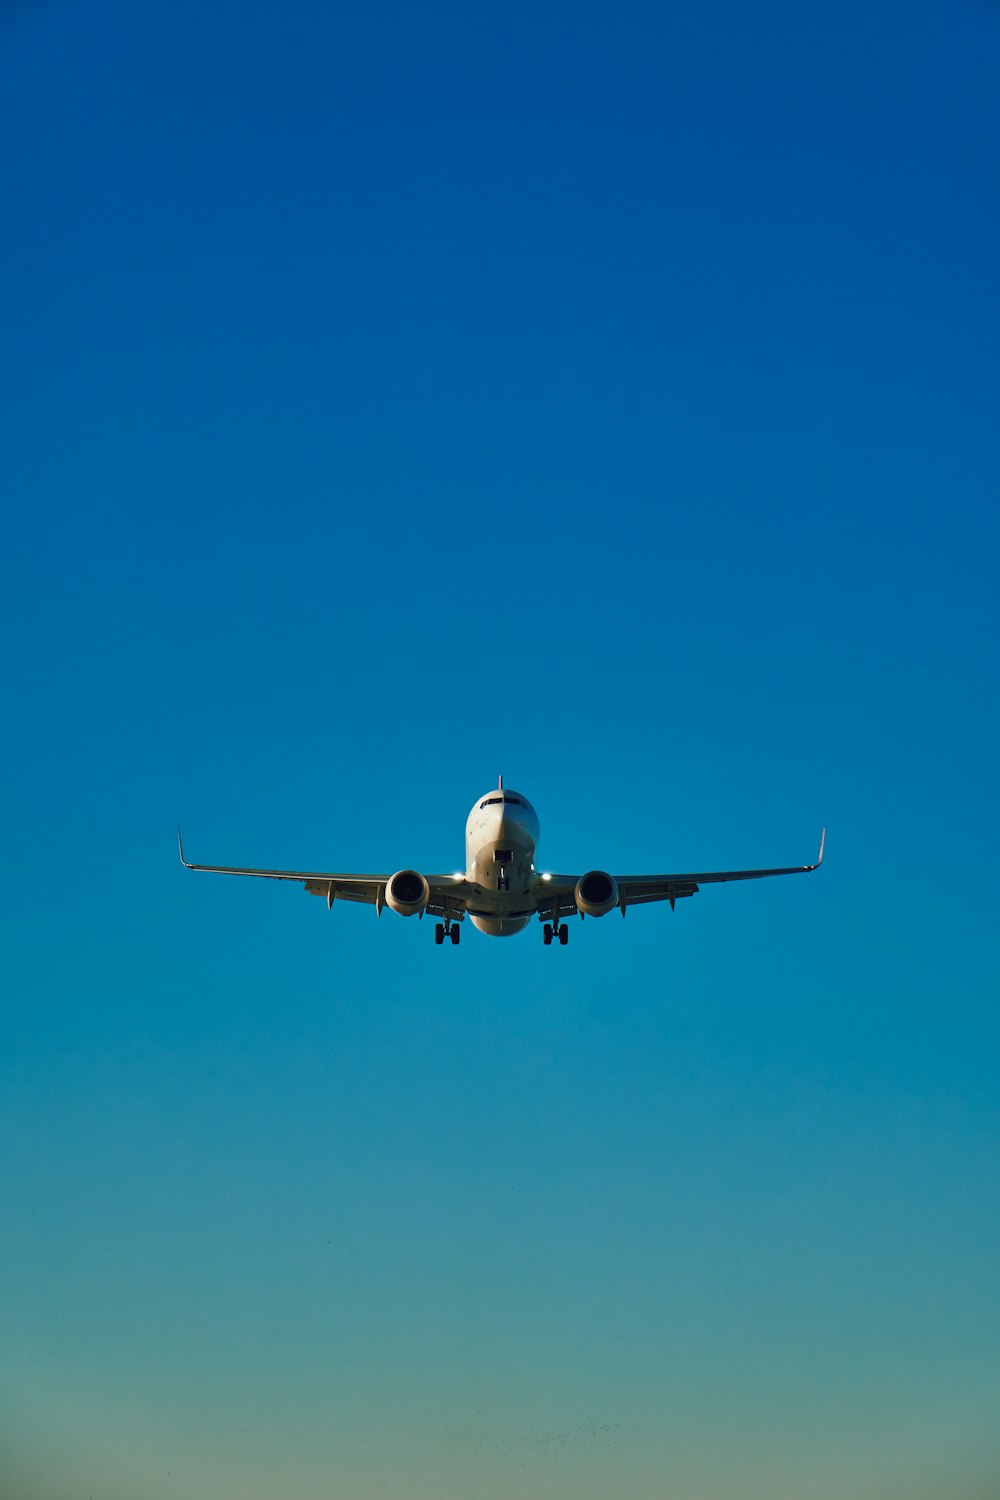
<point x="439" y="932"/>
<point x="564" y="935"/>
<point x="456" y="933"/>
<point x="547" y="934"/>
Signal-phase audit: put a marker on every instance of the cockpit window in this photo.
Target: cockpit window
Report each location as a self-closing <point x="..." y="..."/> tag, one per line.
<point x="491" y="801"/>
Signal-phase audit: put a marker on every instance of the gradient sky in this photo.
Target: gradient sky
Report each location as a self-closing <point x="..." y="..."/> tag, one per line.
<point x="397" y="395"/>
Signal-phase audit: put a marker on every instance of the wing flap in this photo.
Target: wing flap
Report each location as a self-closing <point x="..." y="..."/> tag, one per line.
<point x="635" y="894"/>
<point x="345" y="887"/>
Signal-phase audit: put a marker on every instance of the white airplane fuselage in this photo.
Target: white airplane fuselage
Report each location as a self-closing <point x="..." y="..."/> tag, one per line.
<point x="500" y="839"/>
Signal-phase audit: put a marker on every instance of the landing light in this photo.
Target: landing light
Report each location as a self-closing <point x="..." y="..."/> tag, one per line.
<point x="458" y="875"/>
<point x="546" y="877"/>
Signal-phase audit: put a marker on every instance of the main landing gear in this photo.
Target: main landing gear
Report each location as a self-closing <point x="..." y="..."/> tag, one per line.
<point x="447" y="929"/>
<point x="555" y="929"/>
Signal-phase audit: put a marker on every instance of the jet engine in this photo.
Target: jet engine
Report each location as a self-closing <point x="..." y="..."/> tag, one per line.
<point x="596" y="893"/>
<point x="407" y="893"/>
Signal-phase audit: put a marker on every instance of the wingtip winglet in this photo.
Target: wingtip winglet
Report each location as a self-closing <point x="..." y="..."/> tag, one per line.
<point x="822" y="844"/>
<point x="180" y="849"/>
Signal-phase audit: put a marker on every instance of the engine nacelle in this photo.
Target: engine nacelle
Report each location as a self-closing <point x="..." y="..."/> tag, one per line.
<point x="596" y="893"/>
<point x="407" y="893"/>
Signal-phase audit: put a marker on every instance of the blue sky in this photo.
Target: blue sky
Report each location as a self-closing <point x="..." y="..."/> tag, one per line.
<point x="396" y="397"/>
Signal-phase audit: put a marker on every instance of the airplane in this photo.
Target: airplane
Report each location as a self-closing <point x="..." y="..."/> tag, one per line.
<point x="500" y="890"/>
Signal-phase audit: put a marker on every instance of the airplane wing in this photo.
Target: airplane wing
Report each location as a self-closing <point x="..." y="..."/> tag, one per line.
<point x="449" y="893"/>
<point x="556" y="898"/>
